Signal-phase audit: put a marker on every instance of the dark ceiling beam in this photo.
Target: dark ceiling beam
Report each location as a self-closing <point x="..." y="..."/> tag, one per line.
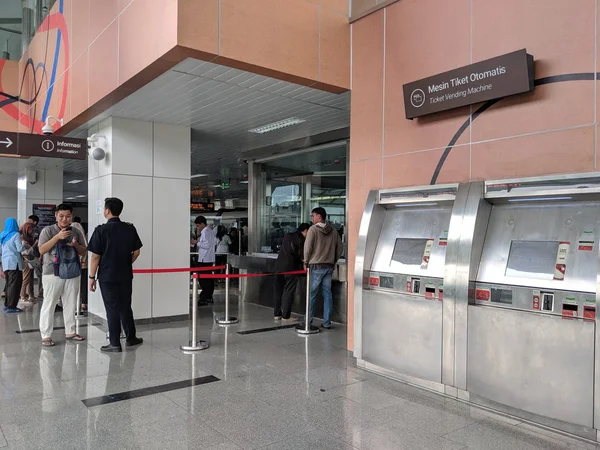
<point x="10" y="31"/>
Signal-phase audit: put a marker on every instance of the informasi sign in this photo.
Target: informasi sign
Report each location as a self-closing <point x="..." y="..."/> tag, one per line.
<point x="493" y="78"/>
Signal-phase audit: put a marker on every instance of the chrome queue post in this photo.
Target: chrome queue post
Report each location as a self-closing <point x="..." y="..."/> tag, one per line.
<point x="79" y="314"/>
<point x="194" y="343"/>
<point x="227" y="319"/>
<point x="307" y="328"/>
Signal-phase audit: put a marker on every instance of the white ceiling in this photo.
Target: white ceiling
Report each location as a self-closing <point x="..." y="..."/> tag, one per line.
<point x="220" y="104"/>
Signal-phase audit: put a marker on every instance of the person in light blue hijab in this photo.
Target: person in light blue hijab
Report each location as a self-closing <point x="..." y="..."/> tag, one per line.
<point x="11" y="262"/>
<point x="11" y="227"/>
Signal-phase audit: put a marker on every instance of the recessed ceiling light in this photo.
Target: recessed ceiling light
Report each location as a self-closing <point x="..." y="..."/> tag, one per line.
<point x="214" y="185"/>
<point x="75" y="181"/>
<point x="199" y="175"/>
<point x="80" y="196"/>
<point x="277" y="125"/>
<point x="244" y="182"/>
<point x="70" y="198"/>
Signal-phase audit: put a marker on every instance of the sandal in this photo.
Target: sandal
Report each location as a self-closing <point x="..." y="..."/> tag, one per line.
<point x="48" y="342"/>
<point x="75" y="337"/>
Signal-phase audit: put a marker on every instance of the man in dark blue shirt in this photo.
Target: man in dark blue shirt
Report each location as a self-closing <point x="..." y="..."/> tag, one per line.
<point x="115" y="246"/>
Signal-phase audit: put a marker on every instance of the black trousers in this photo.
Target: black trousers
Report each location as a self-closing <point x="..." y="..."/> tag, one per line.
<point x="207" y="285"/>
<point x="84" y="286"/>
<point x="117" y="301"/>
<point x="285" y="290"/>
<point x="14" y="281"/>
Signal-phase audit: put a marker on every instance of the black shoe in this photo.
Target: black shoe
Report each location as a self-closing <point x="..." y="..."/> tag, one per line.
<point x="326" y="327"/>
<point x="111" y="349"/>
<point x="134" y="341"/>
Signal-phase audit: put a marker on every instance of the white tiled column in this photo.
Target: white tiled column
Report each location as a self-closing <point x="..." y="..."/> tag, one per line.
<point x="147" y="165"/>
<point x="43" y="186"/>
<point x="8" y="204"/>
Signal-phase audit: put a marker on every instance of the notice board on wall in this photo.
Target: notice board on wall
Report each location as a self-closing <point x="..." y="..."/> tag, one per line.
<point x="46" y="214"/>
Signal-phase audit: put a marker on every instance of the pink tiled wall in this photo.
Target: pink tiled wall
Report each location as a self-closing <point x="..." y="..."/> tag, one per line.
<point x="109" y="48"/>
<point x="553" y="130"/>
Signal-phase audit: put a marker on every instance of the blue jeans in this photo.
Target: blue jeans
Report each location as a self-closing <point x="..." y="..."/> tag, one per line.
<point x="321" y="277"/>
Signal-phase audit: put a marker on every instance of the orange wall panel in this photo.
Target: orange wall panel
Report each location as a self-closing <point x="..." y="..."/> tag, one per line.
<point x="334" y="49"/>
<point x="198" y="25"/>
<point x="366" y="129"/>
<point x="79" y="93"/>
<point x="140" y="22"/>
<point x="104" y="64"/>
<point x="565" y="151"/>
<point x="275" y="34"/>
<point x="559" y="34"/>
<point x="81" y="35"/>
<point x="416" y="49"/>
<point x="102" y="14"/>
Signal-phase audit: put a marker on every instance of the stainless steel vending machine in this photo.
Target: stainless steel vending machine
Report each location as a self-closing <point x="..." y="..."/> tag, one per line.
<point x="487" y="292"/>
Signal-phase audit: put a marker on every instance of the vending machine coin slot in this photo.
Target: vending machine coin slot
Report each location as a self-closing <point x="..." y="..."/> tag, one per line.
<point x="415" y="285"/>
<point x="441" y="293"/>
<point x="547" y="301"/>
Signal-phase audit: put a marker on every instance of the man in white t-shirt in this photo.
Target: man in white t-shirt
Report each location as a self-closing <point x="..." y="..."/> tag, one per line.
<point x="206" y="245"/>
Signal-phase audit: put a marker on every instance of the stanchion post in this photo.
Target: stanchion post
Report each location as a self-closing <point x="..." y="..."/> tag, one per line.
<point x="227" y="320"/>
<point x="307" y="328"/>
<point x="195" y="344"/>
<point x="79" y="314"/>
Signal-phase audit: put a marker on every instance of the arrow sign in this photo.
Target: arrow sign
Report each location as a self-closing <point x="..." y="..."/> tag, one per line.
<point x="7" y="142"/>
<point x="28" y="145"/>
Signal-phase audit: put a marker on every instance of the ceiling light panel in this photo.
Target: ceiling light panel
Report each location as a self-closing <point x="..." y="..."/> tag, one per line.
<point x="277" y="125"/>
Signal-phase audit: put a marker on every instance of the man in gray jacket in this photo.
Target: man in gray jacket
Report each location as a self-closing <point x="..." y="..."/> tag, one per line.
<point x="322" y="249"/>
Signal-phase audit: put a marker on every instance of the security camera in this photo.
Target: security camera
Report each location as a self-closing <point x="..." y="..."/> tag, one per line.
<point x="97" y="153"/>
<point x="48" y="129"/>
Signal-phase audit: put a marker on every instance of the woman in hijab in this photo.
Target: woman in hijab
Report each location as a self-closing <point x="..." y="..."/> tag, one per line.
<point x="30" y="259"/>
<point x="11" y="247"/>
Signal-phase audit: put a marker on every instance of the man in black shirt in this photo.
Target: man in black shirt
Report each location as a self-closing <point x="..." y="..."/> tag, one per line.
<point x="115" y="246"/>
<point x="289" y="259"/>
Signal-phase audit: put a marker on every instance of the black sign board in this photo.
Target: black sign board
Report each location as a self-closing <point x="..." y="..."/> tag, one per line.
<point x="202" y="207"/>
<point x="486" y="80"/>
<point x="24" y="144"/>
<point x="45" y="214"/>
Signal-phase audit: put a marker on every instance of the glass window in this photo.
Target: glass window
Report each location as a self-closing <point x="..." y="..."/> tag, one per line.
<point x="293" y="186"/>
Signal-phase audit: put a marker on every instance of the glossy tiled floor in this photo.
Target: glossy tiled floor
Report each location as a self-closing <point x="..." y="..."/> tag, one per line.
<point x="277" y="391"/>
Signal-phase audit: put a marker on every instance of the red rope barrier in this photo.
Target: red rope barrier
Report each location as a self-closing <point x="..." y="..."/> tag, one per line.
<point x="183" y="269"/>
<point x="247" y="275"/>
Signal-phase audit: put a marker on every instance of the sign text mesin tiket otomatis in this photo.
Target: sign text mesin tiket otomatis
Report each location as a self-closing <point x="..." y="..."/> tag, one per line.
<point x="493" y="78"/>
<point x="474" y="80"/>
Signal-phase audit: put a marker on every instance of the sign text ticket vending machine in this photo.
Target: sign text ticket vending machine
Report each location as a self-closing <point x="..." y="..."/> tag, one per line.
<point x="486" y="292"/>
<point x="404" y="237"/>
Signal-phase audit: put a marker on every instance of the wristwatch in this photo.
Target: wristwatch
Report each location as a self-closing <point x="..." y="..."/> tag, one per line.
<point x="92" y="277"/>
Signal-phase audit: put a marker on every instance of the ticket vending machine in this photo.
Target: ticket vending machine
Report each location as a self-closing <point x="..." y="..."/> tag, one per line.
<point x="532" y="300"/>
<point x="399" y="281"/>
